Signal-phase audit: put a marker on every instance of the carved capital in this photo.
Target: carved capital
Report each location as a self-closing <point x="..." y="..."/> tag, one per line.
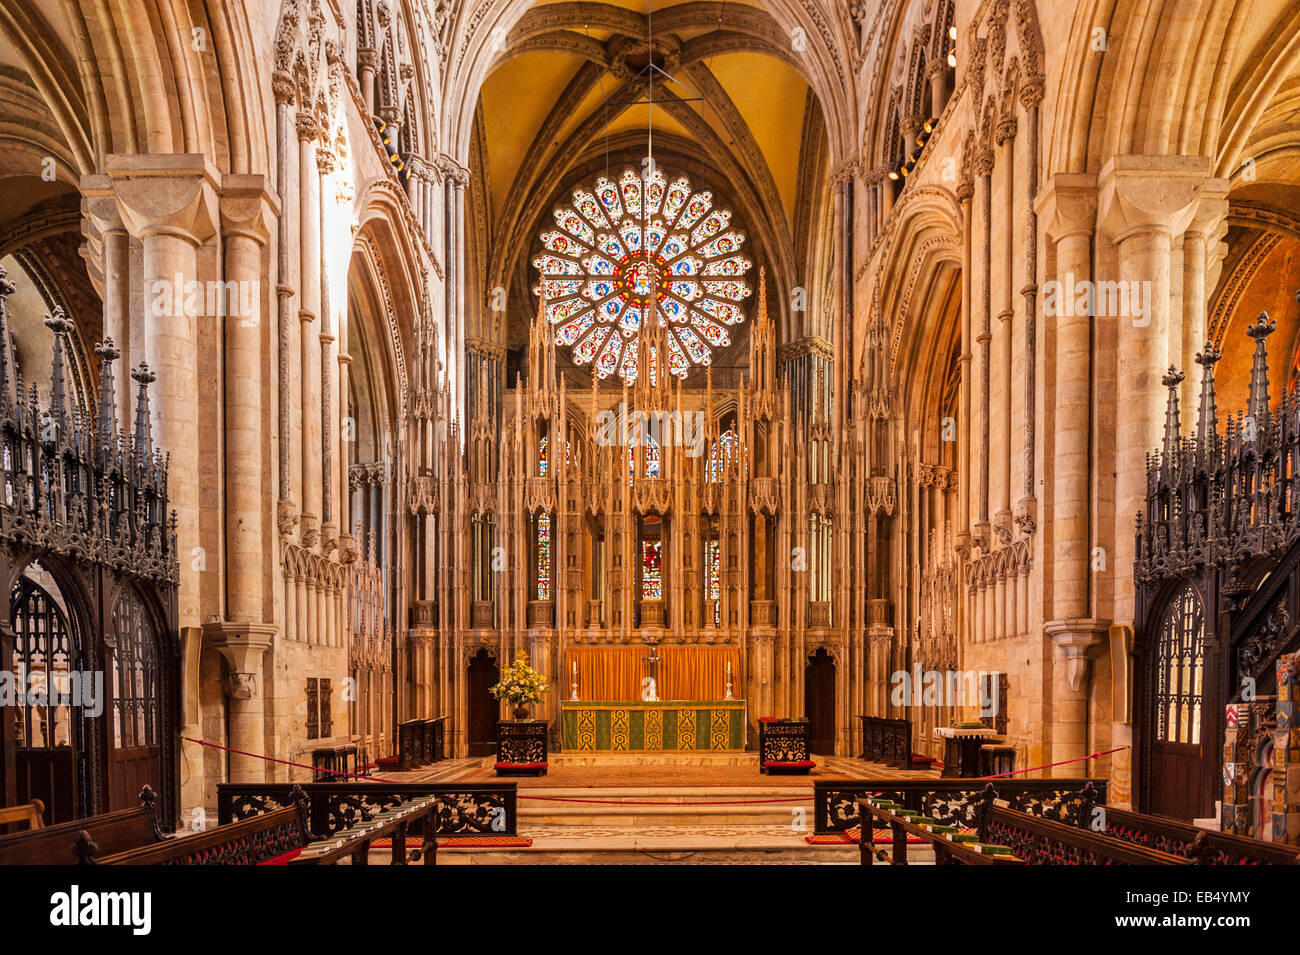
<point x="173" y="194"/>
<point x="1144" y="194"/>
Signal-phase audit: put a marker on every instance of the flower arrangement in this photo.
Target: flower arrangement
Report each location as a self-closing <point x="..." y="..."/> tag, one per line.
<point x="520" y="685"/>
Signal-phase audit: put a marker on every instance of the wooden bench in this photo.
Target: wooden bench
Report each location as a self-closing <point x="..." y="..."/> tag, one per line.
<point x="78" y="841"/>
<point x="29" y="814"/>
<point x="419" y="742"/>
<point x="956" y="802"/>
<point x="393" y="823"/>
<point x="1201" y="846"/>
<point x="950" y="847"/>
<point x="887" y="740"/>
<point x="270" y="839"/>
<point x="1041" y="841"/>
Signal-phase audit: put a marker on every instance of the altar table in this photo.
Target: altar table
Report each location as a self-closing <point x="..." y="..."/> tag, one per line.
<point x="643" y="727"/>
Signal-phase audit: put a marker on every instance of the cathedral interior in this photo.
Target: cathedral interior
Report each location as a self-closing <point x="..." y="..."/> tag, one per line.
<point x="749" y="367"/>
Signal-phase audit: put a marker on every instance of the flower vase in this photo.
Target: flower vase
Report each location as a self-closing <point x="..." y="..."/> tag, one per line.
<point x="521" y="712"/>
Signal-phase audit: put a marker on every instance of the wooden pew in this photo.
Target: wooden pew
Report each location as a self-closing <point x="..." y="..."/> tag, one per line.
<point x="1041" y="841"/>
<point x="28" y="814"/>
<point x="394" y="824"/>
<point x="947" y="851"/>
<point x="956" y="801"/>
<point x="275" y="837"/>
<point x="418" y="742"/>
<point x="1201" y="846"/>
<point x="77" y="841"/>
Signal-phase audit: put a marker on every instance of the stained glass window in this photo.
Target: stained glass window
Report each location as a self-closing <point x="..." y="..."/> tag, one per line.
<point x="651" y="458"/>
<point x="544" y="557"/>
<point x="641" y="248"/>
<point x="652" y="587"/>
<point x="724" y="451"/>
<point x="1179" y="664"/>
<point x="542" y="459"/>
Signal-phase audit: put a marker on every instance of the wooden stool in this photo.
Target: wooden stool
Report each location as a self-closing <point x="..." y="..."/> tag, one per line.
<point x="997" y="759"/>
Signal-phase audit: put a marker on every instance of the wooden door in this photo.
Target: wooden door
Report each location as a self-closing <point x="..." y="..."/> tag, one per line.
<point x="819" y="701"/>
<point x="46" y="654"/>
<point x="1180" y="734"/>
<point x="134" y="692"/>
<point x="482" y="728"/>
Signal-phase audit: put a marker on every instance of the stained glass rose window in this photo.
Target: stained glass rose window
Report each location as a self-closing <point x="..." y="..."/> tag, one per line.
<point x="637" y="250"/>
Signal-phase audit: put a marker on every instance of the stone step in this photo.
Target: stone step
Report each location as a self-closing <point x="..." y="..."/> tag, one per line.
<point x="693" y="845"/>
<point x="638" y="808"/>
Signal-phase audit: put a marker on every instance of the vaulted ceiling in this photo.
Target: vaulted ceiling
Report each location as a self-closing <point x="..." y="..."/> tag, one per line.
<point x="570" y="97"/>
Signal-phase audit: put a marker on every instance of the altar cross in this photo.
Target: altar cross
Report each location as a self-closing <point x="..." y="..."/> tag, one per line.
<point x="651" y="693"/>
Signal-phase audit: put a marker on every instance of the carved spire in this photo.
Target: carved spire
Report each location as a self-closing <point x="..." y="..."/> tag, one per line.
<point x="143" y="377"/>
<point x="1207" y="422"/>
<point x="10" y="389"/>
<point x="59" y="325"/>
<point x="107" y="415"/>
<point x="1173" y="426"/>
<point x="1257" y="406"/>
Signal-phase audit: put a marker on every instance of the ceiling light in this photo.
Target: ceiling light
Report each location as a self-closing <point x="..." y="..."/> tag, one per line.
<point x="952" y="33"/>
<point x="893" y="174"/>
<point x="904" y="170"/>
<point x="952" y="58"/>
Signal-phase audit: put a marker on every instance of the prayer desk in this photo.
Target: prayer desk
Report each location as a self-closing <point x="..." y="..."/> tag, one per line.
<point x="961" y="749"/>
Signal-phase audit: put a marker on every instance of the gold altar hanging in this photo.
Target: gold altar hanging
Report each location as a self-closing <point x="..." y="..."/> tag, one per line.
<point x="684" y="673"/>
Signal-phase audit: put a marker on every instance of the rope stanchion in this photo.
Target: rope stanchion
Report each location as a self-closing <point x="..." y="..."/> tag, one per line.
<point x="1064" y="762"/>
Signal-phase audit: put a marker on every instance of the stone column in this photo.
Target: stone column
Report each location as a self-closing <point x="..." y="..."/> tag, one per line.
<point x="984" y="169"/>
<point x="169" y="203"/>
<point x="244" y="217"/>
<point x="309" y="398"/>
<point x="116" y="242"/>
<point x="1068" y="207"/>
<point x="1145" y="203"/>
<point x="1207" y="226"/>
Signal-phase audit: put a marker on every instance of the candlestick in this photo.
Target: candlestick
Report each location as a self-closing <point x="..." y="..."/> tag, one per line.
<point x="574" y="694"/>
<point x="728" y="696"/>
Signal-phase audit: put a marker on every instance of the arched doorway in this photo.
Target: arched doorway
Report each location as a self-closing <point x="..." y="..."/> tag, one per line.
<point x="1178" y="758"/>
<point x="481" y="731"/>
<point x="49" y="752"/>
<point x="819" y="700"/>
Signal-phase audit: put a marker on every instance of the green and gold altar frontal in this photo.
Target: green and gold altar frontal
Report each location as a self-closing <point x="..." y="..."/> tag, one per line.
<point x="639" y="727"/>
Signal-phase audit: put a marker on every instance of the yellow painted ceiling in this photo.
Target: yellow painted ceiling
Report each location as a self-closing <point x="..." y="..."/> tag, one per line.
<point x="516" y="98"/>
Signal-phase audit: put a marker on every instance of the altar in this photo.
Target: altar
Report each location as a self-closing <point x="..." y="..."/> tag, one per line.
<point x="652" y="726"/>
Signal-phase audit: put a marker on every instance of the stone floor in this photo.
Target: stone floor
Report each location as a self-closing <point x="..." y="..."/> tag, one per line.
<point x="622" y="813"/>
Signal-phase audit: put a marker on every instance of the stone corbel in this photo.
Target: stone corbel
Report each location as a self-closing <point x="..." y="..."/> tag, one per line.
<point x="1076" y="639"/>
<point x="243" y="646"/>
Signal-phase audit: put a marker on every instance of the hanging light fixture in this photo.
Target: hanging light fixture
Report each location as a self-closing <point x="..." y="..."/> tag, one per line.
<point x="952" y="49"/>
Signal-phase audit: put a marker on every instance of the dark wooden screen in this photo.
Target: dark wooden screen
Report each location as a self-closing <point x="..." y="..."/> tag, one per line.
<point x="134" y="745"/>
<point x="44" y="656"/>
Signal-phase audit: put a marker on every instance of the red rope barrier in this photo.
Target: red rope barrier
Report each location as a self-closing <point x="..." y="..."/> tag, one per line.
<point x="618" y="802"/>
<point x="1077" y="759"/>
<point x="285" y="762"/>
